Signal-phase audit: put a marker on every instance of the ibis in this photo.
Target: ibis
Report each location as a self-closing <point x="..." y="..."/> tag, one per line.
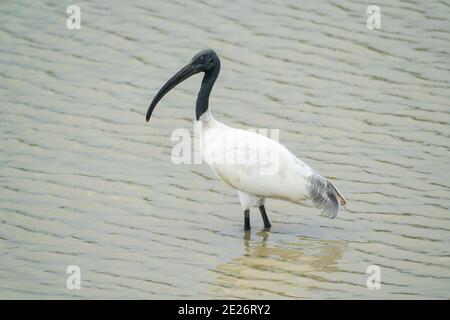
<point x="274" y="172"/>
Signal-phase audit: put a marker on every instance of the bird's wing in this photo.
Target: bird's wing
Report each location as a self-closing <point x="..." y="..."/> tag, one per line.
<point x="262" y="167"/>
<point x="256" y="164"/>
<point x="325" y="195"/>
<point x="322" y="192"/>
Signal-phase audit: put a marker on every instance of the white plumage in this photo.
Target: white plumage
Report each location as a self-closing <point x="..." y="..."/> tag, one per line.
<point x="277" y="174"/>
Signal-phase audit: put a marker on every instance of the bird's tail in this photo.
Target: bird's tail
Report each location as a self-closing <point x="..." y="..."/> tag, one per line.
<point x="325" y="196"/>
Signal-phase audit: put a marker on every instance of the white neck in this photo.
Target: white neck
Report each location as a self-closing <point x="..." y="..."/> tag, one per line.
<point x="206" y="116"/>
<point x="208" y="121"/>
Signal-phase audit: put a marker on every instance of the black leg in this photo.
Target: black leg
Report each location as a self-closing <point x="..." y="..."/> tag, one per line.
<point x="247" y="220"/>
<point x="267" y="224"/>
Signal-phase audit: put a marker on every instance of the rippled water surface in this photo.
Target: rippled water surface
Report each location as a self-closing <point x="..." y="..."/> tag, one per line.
<point x="85" y="181"/>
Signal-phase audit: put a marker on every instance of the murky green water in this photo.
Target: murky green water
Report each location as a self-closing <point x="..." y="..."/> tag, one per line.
<point x="85" y="181"/>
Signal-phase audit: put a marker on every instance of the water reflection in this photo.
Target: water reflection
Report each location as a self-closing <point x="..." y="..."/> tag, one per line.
<point x="276" y="268"/>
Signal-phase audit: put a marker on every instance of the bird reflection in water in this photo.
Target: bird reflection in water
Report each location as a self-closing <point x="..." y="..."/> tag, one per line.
<point x="281" y="269"/>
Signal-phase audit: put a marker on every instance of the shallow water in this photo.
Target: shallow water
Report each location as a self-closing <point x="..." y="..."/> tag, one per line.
<point x="85" y="181"/>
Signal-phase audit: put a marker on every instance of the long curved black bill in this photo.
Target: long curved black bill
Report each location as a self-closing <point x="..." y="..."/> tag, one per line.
<point x="180" y="76"/>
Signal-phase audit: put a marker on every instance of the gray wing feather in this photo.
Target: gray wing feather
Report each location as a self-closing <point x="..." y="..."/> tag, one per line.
<point x="324" y="195"/>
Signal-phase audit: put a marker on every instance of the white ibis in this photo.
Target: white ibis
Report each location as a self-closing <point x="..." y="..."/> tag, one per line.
<point x="276" y="174"/>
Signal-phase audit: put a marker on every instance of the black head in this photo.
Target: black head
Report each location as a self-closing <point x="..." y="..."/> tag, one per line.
<point x="205" y="61"/>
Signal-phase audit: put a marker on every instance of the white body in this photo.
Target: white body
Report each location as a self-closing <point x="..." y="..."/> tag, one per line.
<point x="276" y="174"/>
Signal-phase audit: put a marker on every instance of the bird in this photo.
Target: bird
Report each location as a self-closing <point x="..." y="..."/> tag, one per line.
<point x="276" y="174"/>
